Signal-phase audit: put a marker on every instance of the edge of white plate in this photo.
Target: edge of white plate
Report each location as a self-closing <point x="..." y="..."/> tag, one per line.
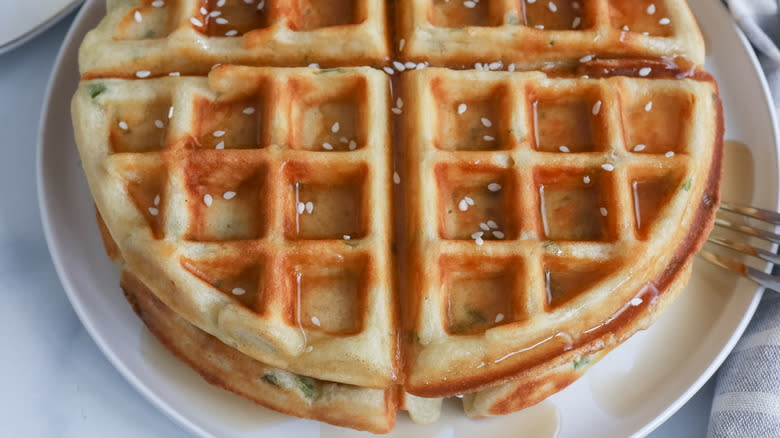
<point x="37" y="30"/>
<point x="172" y="413"/>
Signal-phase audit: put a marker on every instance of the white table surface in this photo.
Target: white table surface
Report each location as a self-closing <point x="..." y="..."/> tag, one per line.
<point x="54" y="381"/>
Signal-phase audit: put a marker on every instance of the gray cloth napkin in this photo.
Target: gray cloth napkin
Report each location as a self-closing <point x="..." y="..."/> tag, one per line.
<point x="747" y="391"/>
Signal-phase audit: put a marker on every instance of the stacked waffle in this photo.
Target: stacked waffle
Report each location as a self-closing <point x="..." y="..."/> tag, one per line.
<point x="425" y="217"/>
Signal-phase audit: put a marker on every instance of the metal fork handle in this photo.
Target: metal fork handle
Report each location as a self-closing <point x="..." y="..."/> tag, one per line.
<point x="762" y="278"/>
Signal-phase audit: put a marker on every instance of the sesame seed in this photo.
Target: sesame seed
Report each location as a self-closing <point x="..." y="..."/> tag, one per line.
<point x="396" y="110"/>
<point x="664" y="21"/>
<point x="401" y="44"/>
<point x="170" y="112"/>
<point x="335" y="128"/>
<point x="309" y="348"/>
<point x="344" y="140"/>
<point x="410" y="65"/>
<point x="603" y="211"/>
<point x="639" y="148"/>
<point x="498" y="234"/>
<point x="625" y="28"/>
<point x="488" y="138"/>
<point x="669" y="154"/>
<point x="315" y="321"/>
<point x="468" y="200"/>
<point x="196" y="22"/>
<point x="174" y="73"/>
<point x="229" y="195"/>
<point x="123" y="125"/>
<point x="153" y="211"/>
<point x="138" y="17"/>
<point x="469" y="4"/>
<point x="388" y="70"/>
<point x="396" y="178"/>
<point x="221" y="3"/>
<point x="347" y="237"/>
<point x="477" y="235"/>
<point x="587" y="58"/>
<point x="636" y="301"/>
<point x="352" y="145"/>
<point x="651" y="9"/>
<point x="221" y="20"/>
<point x="492" y="224"/>
<point x="511" y="67"/>
<point x="159" y="124"/>
<point x="531" y="1"/>
<point x="586" y="179"/>
<point x="499" y="317"/>
<point x="399" y="66"/>
<point x="552" y="7"/>
<point x="596" y="108"/>
<point x="421" y="65"/>
<point x="462" y="108"/>
<point x="575" y="5"/>
<point x="576" y="22"/>
<point x="309" y="207"/>
<point x="231" y="32"/>
<point x="142" y="73"/>
<point x="564" y="149"/>
<point x="649" y="106"/>
<point x="484" y="227"/>
<point x="220" y="145"/>
<point x="207" y="199"/>
<point x="218" y="133"/>
<point x="249" y="110"/>
<point x="203" y="11"/>
<point x="608" y="167"/>
<point x="399" y="103"/>
<point x="158" y="3"/>
<point x="644" y="71"/>
<point x="314" y="65"/>
<point x="261" y="5"/>
<point x="238" y="291"/>
<point x="486" y="122"/>
<point x="215" y="13"/>
<point x="479" y="241"/>
<point x="494" y="187"/>
<point x="539" y="26"/>
<point x="300" y="207"/>
<point x="327" y="146"/>
<point x="463" y="205"/>
<point x="157" y="200"/>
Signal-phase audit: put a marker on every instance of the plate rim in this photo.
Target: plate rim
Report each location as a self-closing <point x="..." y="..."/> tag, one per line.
<point x="39" y="28"/>
<point x="173" y="413"/>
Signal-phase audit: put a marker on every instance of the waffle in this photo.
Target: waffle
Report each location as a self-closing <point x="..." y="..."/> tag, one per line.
<point x="378" y="232"/>
<point x="218" y="203"/>
<point x="191" y="36"/>
<point x="537" y="33"/>
<point x="158" y="37"/>
<point x="551" y="215"/>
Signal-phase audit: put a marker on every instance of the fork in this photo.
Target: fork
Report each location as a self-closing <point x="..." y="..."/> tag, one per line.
<point x="769" y="217"/>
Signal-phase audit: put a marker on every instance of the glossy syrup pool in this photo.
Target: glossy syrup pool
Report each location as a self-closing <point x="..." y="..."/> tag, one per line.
<point x="476" y="201"/>
<point x="329" y="299"/>
<point x="453" y="13"/>
<point x="555" y="15"/>
<point x="329" y="120"/>
<point x="479" y="300"/>
<point x="567" y="279"/>
<point x="655" y="123"/>
<point x="326" y="211"/>
<point x="148" y="194"/>
<point x="472" y="121"/>
<point x="640" y="16"/>
<point x="234" y="18"/>
<point x="651" y="194"/>
<point x="568" y="123"/>
<point x="315" y="14"/>
<point x="139" y="125"/>
<point x="238" y="279"/>
<point x="232" y="124"/>
<point x="572" y="212"/>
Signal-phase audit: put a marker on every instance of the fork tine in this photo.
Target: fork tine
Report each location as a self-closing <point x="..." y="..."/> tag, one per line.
<point x="762" y="234"/>
<point x="759" y="277"/>
<point x="756" y="213"/>
<point x="746" y="249"/>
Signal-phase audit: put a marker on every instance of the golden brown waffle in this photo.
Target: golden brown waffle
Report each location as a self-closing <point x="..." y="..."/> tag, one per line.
<point x="542" y="32"/>
<point x="244" y="222"/>
<point x="550" y="214"/>
<point x="398" y="234"/>
<point x="157" y="37"/>
<point x="190" y="36"/>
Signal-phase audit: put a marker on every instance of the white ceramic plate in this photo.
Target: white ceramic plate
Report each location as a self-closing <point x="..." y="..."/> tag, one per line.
<point x="22" y="20"/>
<point x="630" y="392"/>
